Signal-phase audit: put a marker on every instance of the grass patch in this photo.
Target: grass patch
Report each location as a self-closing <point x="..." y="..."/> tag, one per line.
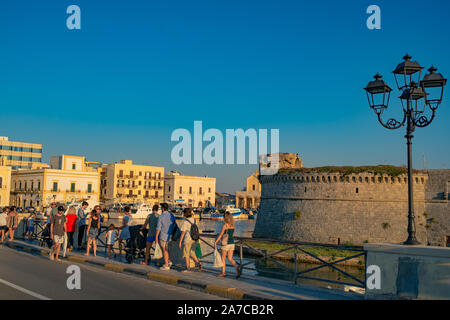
<point x="274" y="247"/>
<point x="392" y="171"/>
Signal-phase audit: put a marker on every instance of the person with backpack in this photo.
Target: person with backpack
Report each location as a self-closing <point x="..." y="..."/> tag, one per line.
<point x="165" y="229"/>
<point x="189" y="237"/>
<point x="151" y="222"/>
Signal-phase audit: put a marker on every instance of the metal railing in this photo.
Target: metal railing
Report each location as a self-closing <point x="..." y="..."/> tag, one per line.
<point x="297" y="248"/>
<point x="263" y="255"/>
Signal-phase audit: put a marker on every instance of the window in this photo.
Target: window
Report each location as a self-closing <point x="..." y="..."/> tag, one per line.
<point x="139" y="192"/>
<point x="156" y="194"/>
<point x="253" y="187"/>
<point x="72" y="187"/>
<point x="200" y="190"/>
<point x="140" y="173"/>
<point x="131" y="174"/>
<point x="130" y="192"/>
<point x="1" y="181"/>
<point x="121" y="173"/>
<point x="181" y="189"/>
<point x="357" y="190"/>
<point x="89" y="187"/>
<point x="74" y="166"/>
<point x="190" y="190"/>
<point x="169" y="188"/>
<point x="55" y="186"/>
<point x="25" y="185"/>
<point x="32" y="185"/>
<point x="39" y="185"/>
<point x="209" y="190"/>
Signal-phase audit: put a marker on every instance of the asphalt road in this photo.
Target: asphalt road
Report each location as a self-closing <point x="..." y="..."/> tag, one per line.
<point x="25" y="276"/>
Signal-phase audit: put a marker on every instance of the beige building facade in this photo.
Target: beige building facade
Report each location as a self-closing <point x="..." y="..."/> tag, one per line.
<point x="190" y="191"/>
<point x="20" y="155"/>
<point x="126" y="182"/>
<point x="250" y="197"/>
<point x="68" y="179"/>
<point x="5" y="185"/>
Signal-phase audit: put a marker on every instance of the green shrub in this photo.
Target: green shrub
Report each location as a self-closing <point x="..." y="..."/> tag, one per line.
<point x="297" y="214"/>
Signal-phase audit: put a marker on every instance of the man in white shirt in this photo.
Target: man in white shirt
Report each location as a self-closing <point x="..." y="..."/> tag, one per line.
<point x="3" y="220"/>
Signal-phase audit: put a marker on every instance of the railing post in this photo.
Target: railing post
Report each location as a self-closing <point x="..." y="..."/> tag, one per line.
<point x="240" y="256"/>
<point x="295" y="265"/>
<point x="365" y="269"/>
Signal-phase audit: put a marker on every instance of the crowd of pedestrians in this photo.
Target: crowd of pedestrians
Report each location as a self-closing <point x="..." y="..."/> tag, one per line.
<point x="160" y="230"/>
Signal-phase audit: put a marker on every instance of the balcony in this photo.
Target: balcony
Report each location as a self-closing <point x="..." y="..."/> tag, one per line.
<point x="120" y="176"/>
<point x="74" y="191"/>
<point x="133" y="177"/>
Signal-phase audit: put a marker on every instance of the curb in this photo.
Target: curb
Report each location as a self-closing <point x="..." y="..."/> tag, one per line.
<point x="221" y="291"/>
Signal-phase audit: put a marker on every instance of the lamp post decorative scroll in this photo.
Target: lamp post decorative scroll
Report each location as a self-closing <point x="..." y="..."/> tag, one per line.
<point x="416" y="96"/>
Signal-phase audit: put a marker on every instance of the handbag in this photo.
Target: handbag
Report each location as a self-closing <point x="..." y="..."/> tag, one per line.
<point x="198" y="250"/>
<point x="218" y="263"/>
<point x="158" y="253"/>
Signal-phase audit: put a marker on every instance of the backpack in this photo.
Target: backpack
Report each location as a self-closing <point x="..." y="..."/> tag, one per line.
<point x="176" y="233"/>
<point x="195" y="232"/>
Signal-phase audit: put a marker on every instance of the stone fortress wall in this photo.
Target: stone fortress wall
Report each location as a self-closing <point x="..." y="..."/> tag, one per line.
<point x="327" y="207"/>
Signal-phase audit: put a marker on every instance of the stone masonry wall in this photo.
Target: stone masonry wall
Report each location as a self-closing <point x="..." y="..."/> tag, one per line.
<point x="437" y="210"/>
<point x="332" y="208"/>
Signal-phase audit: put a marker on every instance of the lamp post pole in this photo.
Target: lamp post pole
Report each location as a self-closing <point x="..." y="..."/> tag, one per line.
<point x="411" y="222"/>
<point x="413" y="95"/>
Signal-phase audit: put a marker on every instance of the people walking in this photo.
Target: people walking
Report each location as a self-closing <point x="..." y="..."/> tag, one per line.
<point x="125" y="229"/>
<point x="50" y="212"/>
<point x="151" y="222"/>
<point x="30" y="226"/>
<point x="93" y="226"/>
<point x="164" y="229"/>
<point x="12" y="222"/>
<point x="57" y="232"/>
<point x="111" y="236"/>
<point x="187" y="241"/>
<point x="81" y="223"/>
<point x="71" y="221"/>
<point x="227" y="243"/>
<point x="3" y="222"/>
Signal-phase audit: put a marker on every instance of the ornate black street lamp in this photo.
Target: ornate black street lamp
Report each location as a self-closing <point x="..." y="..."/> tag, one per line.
<point x="416" y="96"/>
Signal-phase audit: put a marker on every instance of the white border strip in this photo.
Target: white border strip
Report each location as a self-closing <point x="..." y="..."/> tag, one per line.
<point x="31" y="293"/>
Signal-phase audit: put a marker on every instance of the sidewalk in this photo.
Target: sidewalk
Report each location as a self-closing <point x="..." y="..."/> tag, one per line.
<point x="246" y="287"/>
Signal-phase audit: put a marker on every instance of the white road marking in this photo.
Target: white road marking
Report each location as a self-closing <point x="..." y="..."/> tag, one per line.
<point x="31" y="293"/>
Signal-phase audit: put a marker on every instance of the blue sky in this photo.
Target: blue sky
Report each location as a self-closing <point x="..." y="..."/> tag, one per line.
<point x="137" y="70"/>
